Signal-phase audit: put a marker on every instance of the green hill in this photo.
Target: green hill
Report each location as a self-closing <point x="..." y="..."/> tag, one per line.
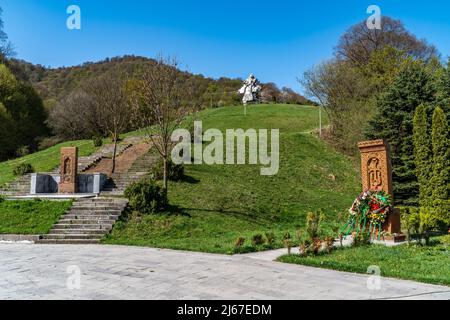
<point x="221" y="203"/>
<point x="217" y="204"/>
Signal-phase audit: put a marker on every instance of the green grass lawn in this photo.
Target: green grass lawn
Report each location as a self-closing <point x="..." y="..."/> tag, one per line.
<point x="30" y="217"/>
<point x="419" y="263"/>
<point x="222" y="203"/>
<point x="43" y="161"/>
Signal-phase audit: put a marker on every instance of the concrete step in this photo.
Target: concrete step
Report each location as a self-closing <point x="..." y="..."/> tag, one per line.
<point x="100" y="202"/>
<point x="78" y="231"/>
<point x="66" y="241"/>
<point x="72" y="237"/>
<point x="97" y="208"/>
<point x="65" y="226"/>
<point x="95" y="212"/>
<point x="86" y="221"/>
<point x="96" y="217"/>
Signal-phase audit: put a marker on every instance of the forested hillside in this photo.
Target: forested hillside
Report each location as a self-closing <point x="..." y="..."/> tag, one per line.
<point x="53" y="84"/>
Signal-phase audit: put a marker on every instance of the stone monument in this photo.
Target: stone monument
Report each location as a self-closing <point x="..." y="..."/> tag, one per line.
<point x="69" y="166"/>
<point x="251" y="90"/>
<point x="376" y="171"/>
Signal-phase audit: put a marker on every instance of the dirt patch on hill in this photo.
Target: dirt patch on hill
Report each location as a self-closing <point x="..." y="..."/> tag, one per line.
<point x="123" y="162"/>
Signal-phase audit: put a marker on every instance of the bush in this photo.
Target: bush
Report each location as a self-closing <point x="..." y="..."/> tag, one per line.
<point x="239" y="242"/>
<point x="23" y="169"/>
<point x="258" y="240"/>
<point x="46" y="143"/>
<point x="175" y="171"/>
<point x="313" y="221"/>
<point x="146" y="197"/>
<point x="23" y="151"/>
<point x="446" y="240"/>
<point x="270" y="236"/>
<point x="429" y="221"/>
<point x="361" y="239"/>
<point x="2" y="198"/>
<point x="97" y="141"/>
<point x="410" y="221"/>
<point x="287" y="236"/>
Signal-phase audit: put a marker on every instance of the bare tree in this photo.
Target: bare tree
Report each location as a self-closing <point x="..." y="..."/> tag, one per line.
<point x="110" y="101"/>
<point x="6" y="48"/>
<point x="74" y="117"/>
<point x="161" y="104"/>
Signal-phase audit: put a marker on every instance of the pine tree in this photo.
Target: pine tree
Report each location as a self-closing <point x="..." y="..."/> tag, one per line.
<point x="440" y="180"/>
<point x="394" y="122"/>
<point x="422" y="154"/>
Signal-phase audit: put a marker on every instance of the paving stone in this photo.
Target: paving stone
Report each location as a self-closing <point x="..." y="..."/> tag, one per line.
<point x="118" y="272"/>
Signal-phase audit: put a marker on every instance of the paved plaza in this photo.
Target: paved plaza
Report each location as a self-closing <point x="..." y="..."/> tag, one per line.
<point x="118" y="272"/>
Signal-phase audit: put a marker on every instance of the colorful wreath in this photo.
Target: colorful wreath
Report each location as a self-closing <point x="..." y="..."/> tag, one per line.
<point x="368" y="213"/>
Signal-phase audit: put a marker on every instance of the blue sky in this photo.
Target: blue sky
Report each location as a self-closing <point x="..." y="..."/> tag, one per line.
<point x="276" y="40"/>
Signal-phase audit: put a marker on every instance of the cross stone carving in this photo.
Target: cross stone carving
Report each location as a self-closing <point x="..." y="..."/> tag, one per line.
<point x="69" y="163"/>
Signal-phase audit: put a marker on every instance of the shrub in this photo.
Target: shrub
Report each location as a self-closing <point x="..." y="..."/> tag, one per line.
<point x="287" y="236"/>
<point x="146" y="197"/>
<point x="446" y="240"/>
<point x="410" y="217"/>
<point x="317" y="246"/>
<point x="270" y="236"/>
<point x="2" y="198"/>
<point x="23" y="151"/>
<point x="361" y="239"/>
<point x="175" y="171"/>
<point x="46" y="143"/>
<point x="258" y="240"/>
<point x="329" y="243"/>
<point x="23" y="169"/>
<point x="429" y="221"/>
<point x="97" y="141"/>
<point x="313" y="221"/>
<point x="239" y="242"/>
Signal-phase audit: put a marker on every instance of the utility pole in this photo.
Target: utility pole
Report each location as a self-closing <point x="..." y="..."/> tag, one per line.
<point x="320" y="121"/>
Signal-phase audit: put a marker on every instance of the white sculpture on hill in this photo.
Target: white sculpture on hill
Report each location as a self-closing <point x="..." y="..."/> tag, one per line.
<point x="251" y="90"/>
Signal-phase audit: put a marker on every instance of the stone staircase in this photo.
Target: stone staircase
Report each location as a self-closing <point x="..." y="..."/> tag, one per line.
<point x="87" y="222"/>
<point x="85" y="163"/>
<point x="118" y="182"/>
<point x="19" y="187"/>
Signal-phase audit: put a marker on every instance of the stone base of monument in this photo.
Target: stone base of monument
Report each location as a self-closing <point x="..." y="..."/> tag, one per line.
<point x="392" y="226"/>
<point x="49" y="184"/>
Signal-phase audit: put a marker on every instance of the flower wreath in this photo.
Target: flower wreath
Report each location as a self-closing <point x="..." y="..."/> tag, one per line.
<point x="368" y="213"/>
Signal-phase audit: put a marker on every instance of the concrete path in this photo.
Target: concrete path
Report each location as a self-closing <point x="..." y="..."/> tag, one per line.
<point x="117" y="272"/>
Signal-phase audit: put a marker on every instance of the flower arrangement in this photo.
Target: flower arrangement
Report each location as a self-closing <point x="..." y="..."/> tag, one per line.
<point x="368" y="213"/>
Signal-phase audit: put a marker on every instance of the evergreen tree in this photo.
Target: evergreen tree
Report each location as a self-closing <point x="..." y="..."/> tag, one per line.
<point x="394" y="122"/>
<point x="443" y="95"/>
<point x="440" y="180"/>
<point x="422" y="154"/>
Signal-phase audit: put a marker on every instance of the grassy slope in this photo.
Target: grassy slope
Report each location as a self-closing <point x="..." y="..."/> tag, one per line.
<point x="43" y="161"/>
<point x="425" y="264"/>
<point x="231" y="201"/>
<point x="30" y="217"/>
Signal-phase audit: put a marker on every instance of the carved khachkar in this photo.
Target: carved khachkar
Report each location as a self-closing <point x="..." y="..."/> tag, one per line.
<point x="69" y="165"/>
<point x="376" y="166"/>
<point x="376" y="171"/>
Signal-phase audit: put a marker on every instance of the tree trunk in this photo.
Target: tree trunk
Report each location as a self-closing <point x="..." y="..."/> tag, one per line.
<point x="165" y="174"/>
<point x="114" y="155"/>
